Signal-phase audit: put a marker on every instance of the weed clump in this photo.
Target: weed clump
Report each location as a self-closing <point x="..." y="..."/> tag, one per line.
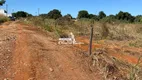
<point x="3" y="19"/>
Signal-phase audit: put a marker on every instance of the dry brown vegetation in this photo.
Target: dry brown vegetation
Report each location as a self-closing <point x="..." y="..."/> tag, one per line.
<point x="3" y="18"/>
<point x="117" y="47"/>
<point x="29" y="53"/>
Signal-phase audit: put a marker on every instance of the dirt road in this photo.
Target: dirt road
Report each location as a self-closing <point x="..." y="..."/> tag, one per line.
<point x="28" y="53"/>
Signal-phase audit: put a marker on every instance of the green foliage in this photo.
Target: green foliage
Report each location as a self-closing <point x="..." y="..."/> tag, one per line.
<point x="68" y="16"/>
<point x="91" y="16"/>
<point x="102" y="15"/>
<point x="66" y="20"/>
<point x="2" y="2"/>
<point x="120" y="15"/>
<point x="3" y="19"/>
<point x="95" y="17"/>
<point x="125" y="16"/>
<point x="44" y="15"/>
<point x="112" y="16"/>
<point x="54" y="14"/>
<point x="138" y="18"/>
<point x="83" y="14"/>
<point x="48" y="28"/>
<point x="110" y="19"/>
<point x="20" y="14"/>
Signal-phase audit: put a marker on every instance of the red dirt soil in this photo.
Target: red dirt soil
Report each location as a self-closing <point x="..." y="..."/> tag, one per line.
<point x="28" y="53"/>
<point x="111" y="50"/>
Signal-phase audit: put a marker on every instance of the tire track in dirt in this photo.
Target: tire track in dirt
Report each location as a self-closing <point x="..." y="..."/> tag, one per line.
<point x="61" y="59"/>
<point x="36" y="56"/>
<point x="21" y="57"/>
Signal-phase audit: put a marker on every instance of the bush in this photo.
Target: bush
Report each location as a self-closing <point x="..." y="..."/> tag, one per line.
<point x="54" y="14"/>
<point x="83" y="14"/>
<point x="3" y="19"/>
<point x="48" y="28"/>
<point x="64" y="21"/>
<point x="22" y="14"/>
<point x="102" y="29"/>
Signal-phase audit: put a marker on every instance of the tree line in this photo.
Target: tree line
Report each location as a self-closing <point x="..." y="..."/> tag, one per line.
<point x="121" y="16"/>
<point x="55" y="14"/>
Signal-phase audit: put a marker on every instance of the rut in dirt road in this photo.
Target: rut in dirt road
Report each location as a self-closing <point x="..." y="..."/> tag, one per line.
<point x="34" y="55"/>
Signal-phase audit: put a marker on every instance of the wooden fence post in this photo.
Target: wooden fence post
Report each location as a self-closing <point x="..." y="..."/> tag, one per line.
<point x="91" y="39"/>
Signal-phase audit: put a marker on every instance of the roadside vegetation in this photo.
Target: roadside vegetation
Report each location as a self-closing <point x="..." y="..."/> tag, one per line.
<point x="120" y="56"/>
<point x="122" y="29"/>
<point x="3" y="19"/>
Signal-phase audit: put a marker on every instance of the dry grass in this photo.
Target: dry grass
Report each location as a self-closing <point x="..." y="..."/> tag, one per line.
<point x="107" y="66"/>
<point x="110" y="67"/>
<point x="102" y="30"/>
<point x="3" y="18"/>
<point x="114" y="69"/>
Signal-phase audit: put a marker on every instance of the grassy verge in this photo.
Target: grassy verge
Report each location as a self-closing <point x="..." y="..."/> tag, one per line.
<point x="3" y="19"/>
<point x="102" y="30"/>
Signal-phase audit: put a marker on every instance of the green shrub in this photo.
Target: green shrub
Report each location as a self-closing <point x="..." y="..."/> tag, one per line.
<point x="48" y="28"/>
<point x="3" y="19"/>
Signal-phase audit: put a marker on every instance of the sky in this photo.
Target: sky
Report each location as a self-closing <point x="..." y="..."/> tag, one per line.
<point x="74" y="6"/>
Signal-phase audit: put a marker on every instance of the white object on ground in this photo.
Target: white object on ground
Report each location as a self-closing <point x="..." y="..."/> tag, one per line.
<point x="65" y="41"/>
<point x="70" y="40"/>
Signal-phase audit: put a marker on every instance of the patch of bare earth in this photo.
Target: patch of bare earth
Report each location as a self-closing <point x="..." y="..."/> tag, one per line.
<point x="27" y="53"/>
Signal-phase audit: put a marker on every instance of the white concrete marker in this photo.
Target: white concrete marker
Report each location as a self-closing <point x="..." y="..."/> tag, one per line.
<point x="70" y="40"/>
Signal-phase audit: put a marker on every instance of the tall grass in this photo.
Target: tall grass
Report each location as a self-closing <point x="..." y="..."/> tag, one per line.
<point x="3" y="19"/>
<point x="50" y="25"/>
<point x="102" y="30"/>
<point x="135" y="71"/>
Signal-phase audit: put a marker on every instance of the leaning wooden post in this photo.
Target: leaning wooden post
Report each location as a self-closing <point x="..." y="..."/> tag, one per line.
<point x="91" y="39"/>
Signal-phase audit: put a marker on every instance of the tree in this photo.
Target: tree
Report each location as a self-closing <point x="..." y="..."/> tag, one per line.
<point x="2" y="2"/>
<point x="44" y="15"/>
<point x="21" y="14"/>
<point x="54" y="14"/>
<point x="65" y="20"/>
<point x="102" y="15"/>
<point x="68" y="16"/>
<point x="112" y="16"/>
<point x="138" y="18"/>
<point x="120" y="15"/>
<point x="125" y="16"/>
<point x="92" y="16"/>
<point x="83" y="14"/>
